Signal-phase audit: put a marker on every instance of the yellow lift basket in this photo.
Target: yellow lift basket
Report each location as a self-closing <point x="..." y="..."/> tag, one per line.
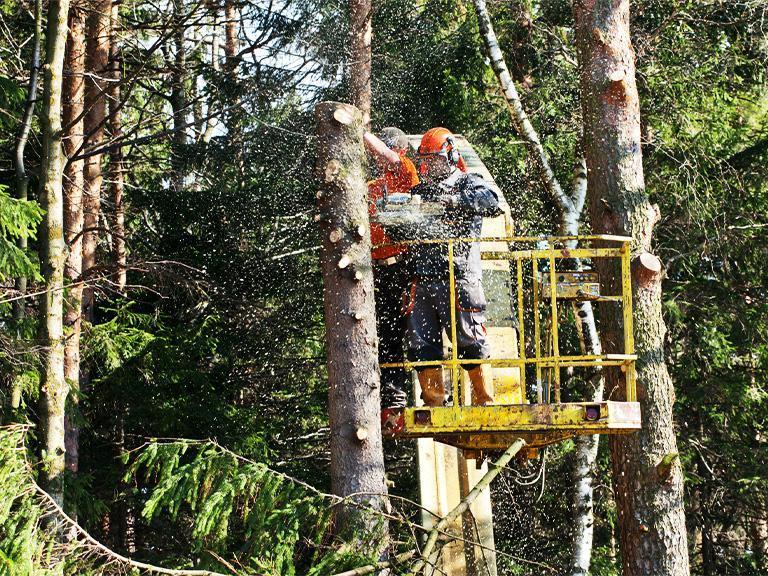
<point x="543" y="289"/>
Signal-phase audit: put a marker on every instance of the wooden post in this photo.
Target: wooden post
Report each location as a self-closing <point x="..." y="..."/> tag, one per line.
<point x="357" y="458"/>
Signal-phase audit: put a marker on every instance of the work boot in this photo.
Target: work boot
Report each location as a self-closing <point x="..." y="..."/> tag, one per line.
<point x="432" y="389"/>
<point x="481" y="378"/>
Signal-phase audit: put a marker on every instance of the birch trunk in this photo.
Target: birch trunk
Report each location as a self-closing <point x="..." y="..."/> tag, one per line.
<point x="649" y="494"/>
<point x="53" y="393"/>
<point x="97" y="69"/>
<point x="210" y="123"/>
<point x="357" y="458"/>
<point x="116" y="167"/>
<point x="570" y="208"/>
<point x="22" y="179"/>
<point x="360" y="57"/>
<point x="74" y="66"/>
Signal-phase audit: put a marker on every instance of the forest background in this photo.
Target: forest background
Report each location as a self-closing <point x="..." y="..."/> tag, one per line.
<point x="204" y="297"/>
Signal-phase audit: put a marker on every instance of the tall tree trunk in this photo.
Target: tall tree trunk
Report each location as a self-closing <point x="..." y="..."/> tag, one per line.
<point x="96" y="65"/>
<point x="116" y="168"/>
<point x="360" y="57"/>
<point x="179" y="99"/>
<point x="570" y="207"/>
<point x="234" y="117"/>
<point x="74" y="68"/>
<point x="54" y="388"/>
<point x="22" y="179"/>
<point x="648" y="480"/>
<point x="210" y="123"/>
<point x="357" y="459"/>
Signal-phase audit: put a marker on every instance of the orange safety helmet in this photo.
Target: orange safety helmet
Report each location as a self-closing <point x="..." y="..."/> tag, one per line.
<point x="440" y="140"/>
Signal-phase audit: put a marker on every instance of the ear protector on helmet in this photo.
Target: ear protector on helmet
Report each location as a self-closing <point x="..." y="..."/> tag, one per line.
<point x="452" y="151"/>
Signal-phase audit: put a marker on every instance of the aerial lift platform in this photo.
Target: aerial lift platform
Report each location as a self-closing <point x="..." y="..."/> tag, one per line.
<point x="529" y="288"/>
<point x="529" y="283"/>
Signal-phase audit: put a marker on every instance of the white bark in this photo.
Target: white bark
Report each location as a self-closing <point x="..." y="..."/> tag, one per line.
<point x="570" y="209"/>
<point x="54" y="389"/>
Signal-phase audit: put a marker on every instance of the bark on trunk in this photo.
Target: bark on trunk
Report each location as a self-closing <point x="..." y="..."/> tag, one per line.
<point x="96" y="65"/>
<point x="357" y="459"/>
<point x="54" y="387"/>
<point x="74" y="68"/>
<point x="360" y="57"/>
<point x="22" y="179"/>
<point x="649" y="494"/>
<point x="210" y="124"/>
<point x="178" y="99"/>
<point x="116" y="168"/>
<point x="234" y="121"/>
<point x="230" y="36"/>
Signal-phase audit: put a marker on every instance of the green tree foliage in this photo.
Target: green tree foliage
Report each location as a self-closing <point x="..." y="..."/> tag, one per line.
<point x="25" y="548"/>
<point x="241" y="511"/>
<point x="18" y="219"/>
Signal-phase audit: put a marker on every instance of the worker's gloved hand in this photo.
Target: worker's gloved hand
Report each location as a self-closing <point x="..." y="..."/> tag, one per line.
<point x="449" y="200"/>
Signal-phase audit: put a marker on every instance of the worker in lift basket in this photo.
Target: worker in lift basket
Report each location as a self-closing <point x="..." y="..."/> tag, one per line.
<point x="390" y="274"/>
<point x="467" y="199"/>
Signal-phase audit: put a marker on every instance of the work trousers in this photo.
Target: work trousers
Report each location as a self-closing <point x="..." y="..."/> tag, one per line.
<point x="390" y="282"/>
<point x="428" y="312"/>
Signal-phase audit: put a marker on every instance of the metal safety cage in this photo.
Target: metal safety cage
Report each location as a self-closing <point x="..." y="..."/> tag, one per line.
<point x="541" y="281"/>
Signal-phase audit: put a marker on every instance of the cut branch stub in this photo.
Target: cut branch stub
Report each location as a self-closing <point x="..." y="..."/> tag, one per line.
<point x="647" y="270"/>
<point x="332" y="170"/>
<point x="335" y="235"/>
<point x="344" y="261"/>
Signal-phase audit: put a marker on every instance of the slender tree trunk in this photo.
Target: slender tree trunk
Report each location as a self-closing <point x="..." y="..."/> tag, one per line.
<point x="360" y="57"/>
<point x="53" y="393"/>
<point x="231" y="60"/>
<point x="74" y="68"/>
<point x="179" y="99"/>
<point x="210" y="123"/>
<point x="570" y="207"/>
<point x="357" y="459"/>
<point x="586" y="447"/>
<point x="22" y="179"/>
<point x="97" y="68"/>
<point x="116" y="167"/>
<point x="648" y="481"/>
<point x="230" y="36"/>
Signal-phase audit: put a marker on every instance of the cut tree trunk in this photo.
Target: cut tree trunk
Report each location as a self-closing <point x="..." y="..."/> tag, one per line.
<point x="97" y="69"/>
<point x="357" y="459"/>
<point x="73" y="94"/>
<point x="649" y="494"/>
<point x="360" y="57"/>
<point x="54" y="389"/>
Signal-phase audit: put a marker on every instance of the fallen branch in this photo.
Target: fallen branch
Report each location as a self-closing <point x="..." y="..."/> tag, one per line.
<point x="114" y="556"/>
<point x="404" y="557"/>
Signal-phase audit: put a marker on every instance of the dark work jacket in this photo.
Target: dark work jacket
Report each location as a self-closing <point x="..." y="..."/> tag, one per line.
<point x="474" y="200"/>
